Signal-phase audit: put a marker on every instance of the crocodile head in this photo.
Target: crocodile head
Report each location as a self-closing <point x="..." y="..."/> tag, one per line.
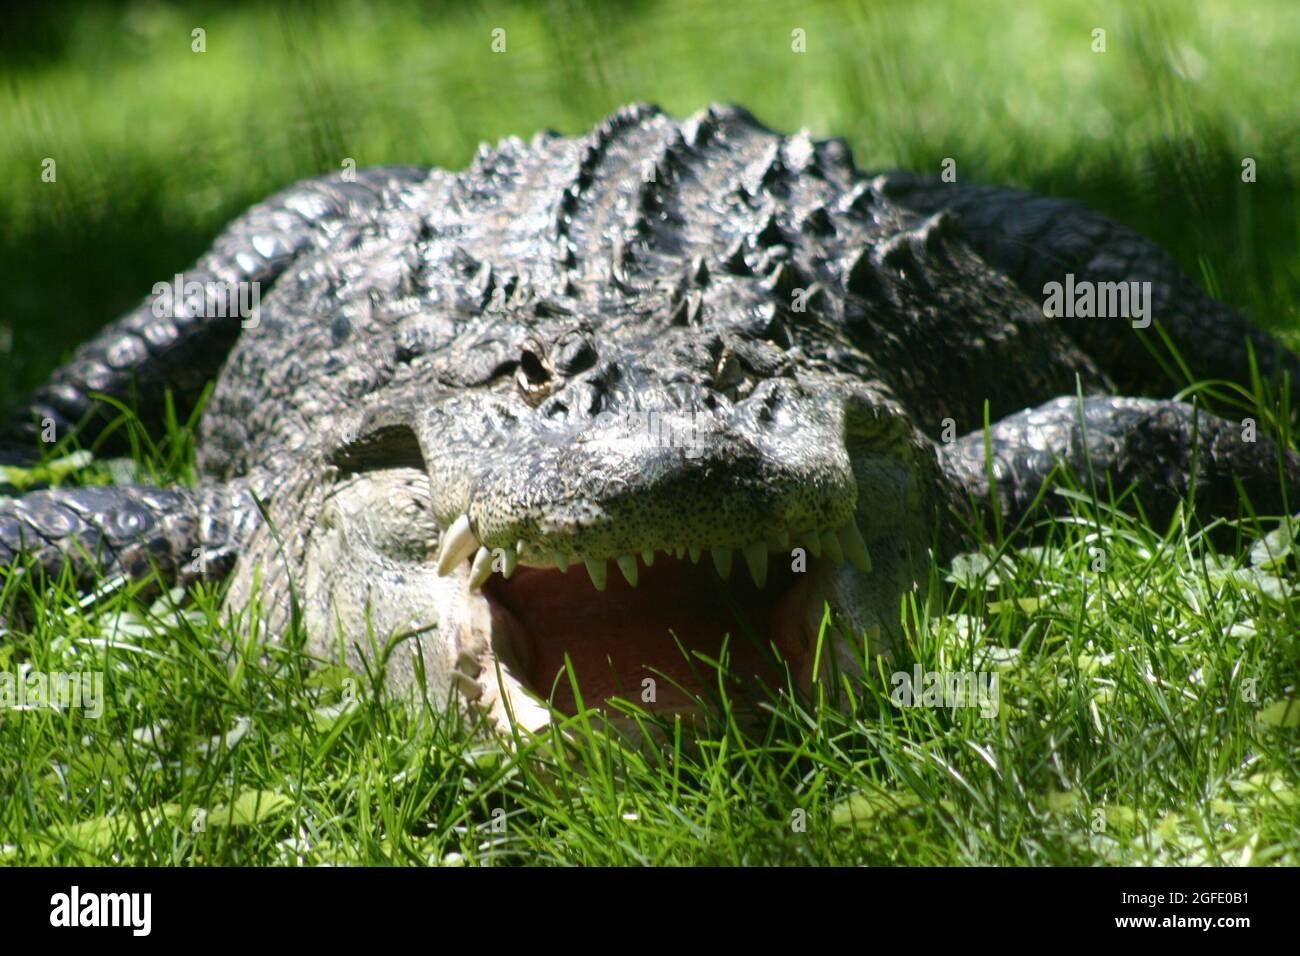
<point x="624" y="495"/>
<point x="609" y="411"/>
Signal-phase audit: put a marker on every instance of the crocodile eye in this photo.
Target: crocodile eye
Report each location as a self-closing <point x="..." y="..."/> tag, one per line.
<point x="731" y="377"/>
<point x="533" y="376"/>
<point x="574" y="354"/>
<point x="531" y="365"/>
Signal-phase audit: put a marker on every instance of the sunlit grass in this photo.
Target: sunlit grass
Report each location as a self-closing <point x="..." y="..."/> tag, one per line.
<point x="1146" y="712"/>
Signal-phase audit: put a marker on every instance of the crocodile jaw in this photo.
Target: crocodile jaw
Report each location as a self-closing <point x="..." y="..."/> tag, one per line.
<point x="526" y="640"/>
<point x="500" y="644"/>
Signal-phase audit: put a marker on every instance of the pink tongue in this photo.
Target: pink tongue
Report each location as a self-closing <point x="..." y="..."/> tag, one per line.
<point x="619" y="638"/>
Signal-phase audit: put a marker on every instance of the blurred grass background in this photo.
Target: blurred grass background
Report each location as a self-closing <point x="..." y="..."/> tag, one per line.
<point x="158" y="146"/>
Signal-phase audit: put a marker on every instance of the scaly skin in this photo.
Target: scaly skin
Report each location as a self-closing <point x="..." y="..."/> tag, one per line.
<point x="659" y="339"/>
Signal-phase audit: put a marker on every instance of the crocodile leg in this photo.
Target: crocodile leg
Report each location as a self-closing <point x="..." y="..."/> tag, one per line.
<point x="186" y="534"/>
<point x="1165" y="449"/>
<point x="154" y="349"/>
<point x="1036" y="240"/>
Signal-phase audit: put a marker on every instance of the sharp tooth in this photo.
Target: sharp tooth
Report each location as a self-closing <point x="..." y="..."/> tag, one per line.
<point x="510" y="559"/>
<point x="648" y="558"/>
<point x="831" y="545"/>
<point x="756" y="558"/>
<point x="481" y="570"/>
<point x="599" y="572"/>
<point x="457" y="544"/>
<point x="813" y="542"/>
<point x="469" y="688"/>
<point x="561" y="561"/>
<point x="779" y="539"/>
<point x="695" y="555"/>
<point x="855" y="549"/>
<point x="679" y="553"/>
<point x="627" y="564"/>
<point x="722" y="561"/>
<point x="468" y="664"/>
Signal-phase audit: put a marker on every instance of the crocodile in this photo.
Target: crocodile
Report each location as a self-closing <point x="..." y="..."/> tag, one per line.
<point x="489" y="423"/>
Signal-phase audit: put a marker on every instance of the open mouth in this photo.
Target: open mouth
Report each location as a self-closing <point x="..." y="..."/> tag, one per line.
<point x="668" y="634"/>
<point x="658" y="644"/>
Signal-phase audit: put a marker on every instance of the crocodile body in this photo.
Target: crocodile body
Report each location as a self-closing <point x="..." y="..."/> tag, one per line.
<point x="621" y="354"/>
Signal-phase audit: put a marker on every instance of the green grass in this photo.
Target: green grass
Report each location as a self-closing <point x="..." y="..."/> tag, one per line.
<point x="1148" y="710"/>
<point x="1146" y="713"/>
